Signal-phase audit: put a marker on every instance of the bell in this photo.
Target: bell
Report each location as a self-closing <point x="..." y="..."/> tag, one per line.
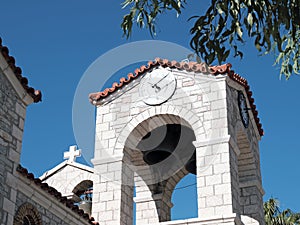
<point x="191" y="165"/>
<point x="160" y="143"/>
<point x="86" y="201"/>
<point x="86" y="206"/>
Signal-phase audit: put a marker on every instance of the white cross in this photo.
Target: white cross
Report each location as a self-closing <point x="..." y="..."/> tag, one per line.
<point x="72" y="154"/>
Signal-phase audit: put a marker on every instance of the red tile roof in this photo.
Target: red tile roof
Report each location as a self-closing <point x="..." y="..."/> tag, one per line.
<point x="188" y="66"/>
<point x="56" y="195"/>
<point x="35" y="94"/>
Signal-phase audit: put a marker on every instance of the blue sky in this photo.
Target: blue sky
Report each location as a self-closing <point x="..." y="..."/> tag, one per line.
<point x="54" y="42"/>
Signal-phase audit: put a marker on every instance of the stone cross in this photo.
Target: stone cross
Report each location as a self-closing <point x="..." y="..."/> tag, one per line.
<point x="72" y="154"/>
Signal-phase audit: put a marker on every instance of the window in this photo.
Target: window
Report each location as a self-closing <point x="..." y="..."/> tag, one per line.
<point x="27" y="214"/>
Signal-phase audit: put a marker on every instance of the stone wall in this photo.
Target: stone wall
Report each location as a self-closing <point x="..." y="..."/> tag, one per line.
<point x="247" y="166"/>
<point x="51" y="211"/>
<point x="12" y="116"/>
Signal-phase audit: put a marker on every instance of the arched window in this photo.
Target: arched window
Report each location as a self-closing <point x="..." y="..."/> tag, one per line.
<point x="28" y="220"/>
<point x="27" y="214"/>
<point x="83" y="194"/>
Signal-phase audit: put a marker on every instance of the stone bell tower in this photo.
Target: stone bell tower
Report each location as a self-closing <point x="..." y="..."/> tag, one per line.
<point x="169" y="119"/>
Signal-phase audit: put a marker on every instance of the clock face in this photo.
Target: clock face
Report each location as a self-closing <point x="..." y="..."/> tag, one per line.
<point x="243" y="109"/>
<point x="157" y="86"/>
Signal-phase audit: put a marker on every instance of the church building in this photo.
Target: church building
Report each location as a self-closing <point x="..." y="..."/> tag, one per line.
<point x="166" y="120"/>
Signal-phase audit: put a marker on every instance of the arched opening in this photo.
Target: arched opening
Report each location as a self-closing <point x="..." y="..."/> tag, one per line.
<point x="28" y="220"/>
<point x="185" y="194"/>
<point x="161" y="153"/>
<point x="83" y="195"/>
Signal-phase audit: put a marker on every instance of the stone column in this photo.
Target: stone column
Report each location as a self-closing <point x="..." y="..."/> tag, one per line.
<point x="113" y="192"/>
<point x="251" y="191"/>
<point x="216" y="178"/>
<point x="152" y="209"/>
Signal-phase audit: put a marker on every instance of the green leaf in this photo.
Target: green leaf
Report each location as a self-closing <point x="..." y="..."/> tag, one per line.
<point x="250" y="19"/>
<point x="225" y="56"/>
<point x="239" y="30"/>
<point x="257" y="46"/>
<point x="274" y="25"/>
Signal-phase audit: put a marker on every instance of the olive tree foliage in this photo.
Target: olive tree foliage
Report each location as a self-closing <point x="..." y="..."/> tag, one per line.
<point x="274" y="216"/>
<point x="273" y="25"/>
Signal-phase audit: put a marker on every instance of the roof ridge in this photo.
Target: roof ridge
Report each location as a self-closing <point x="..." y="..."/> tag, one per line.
<point x="35" y="94"/>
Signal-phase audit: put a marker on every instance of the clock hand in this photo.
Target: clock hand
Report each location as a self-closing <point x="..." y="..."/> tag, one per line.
<point x="160" y="80"/>
<point x="157" y="88"/>
<point x="166" y="85"/>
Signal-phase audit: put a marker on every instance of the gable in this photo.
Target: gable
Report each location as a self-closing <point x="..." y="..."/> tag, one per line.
<point x="193" y="68"/>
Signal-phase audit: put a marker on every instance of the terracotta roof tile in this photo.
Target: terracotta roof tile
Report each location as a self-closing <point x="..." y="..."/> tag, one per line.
<point x="35" y="94"/>
<point x="188" y="66"/>
<point x="57" y="195"/>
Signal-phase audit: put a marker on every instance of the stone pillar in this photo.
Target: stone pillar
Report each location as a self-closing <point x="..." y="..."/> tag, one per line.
<point x="251" y="191"/>
<point x="152" y="207"/>
<point x="150" y="198"/>
<point x="113" y="192"/>
<point x="216" y="178"/>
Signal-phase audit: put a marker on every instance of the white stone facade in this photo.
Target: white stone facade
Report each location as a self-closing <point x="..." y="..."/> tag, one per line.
<point x="228" y="172"/>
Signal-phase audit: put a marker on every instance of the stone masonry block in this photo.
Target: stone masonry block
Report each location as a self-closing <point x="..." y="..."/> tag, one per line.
<point x="227" y="199"/>
<point x="106" y="215"/>
<point x="226" y="178"/>
<point x="222" y="189"/>
<point x="20" y="110"/>
<point x="223" y="210"/>
<point x="201" y="182"/>
<point x="108" y="134"/>
<point x="6" y="136"/>
<point x="218" y="104"/>
<point x="106" y="196"/>
<point x="21" y="123"/>
<point x="14" y="156"/>
<point x="250" y="209"/>
<point x="221" y="168"/>
<point x="212" y="159"/>
<point x="8" y="206"/>
<point x="215" y="200"/>
<point x="116" y="166"/>
<point x="206" y="191"/>
<point x="99" y="206"/>
<point x="214" y="179"/>
<point x="206" y="171"/>
<point x="102" y="127"/>
<point x="17" y="132"/>
<point x="206" y="212"/>
<point x="112" y="205"/>
<point x="202" y="202"/>
<point x="104" y="109"/>
<point x="109" y="117"/>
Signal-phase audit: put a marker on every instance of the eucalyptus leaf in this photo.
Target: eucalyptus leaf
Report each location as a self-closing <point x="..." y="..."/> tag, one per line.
<point x="273" y="24"/>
